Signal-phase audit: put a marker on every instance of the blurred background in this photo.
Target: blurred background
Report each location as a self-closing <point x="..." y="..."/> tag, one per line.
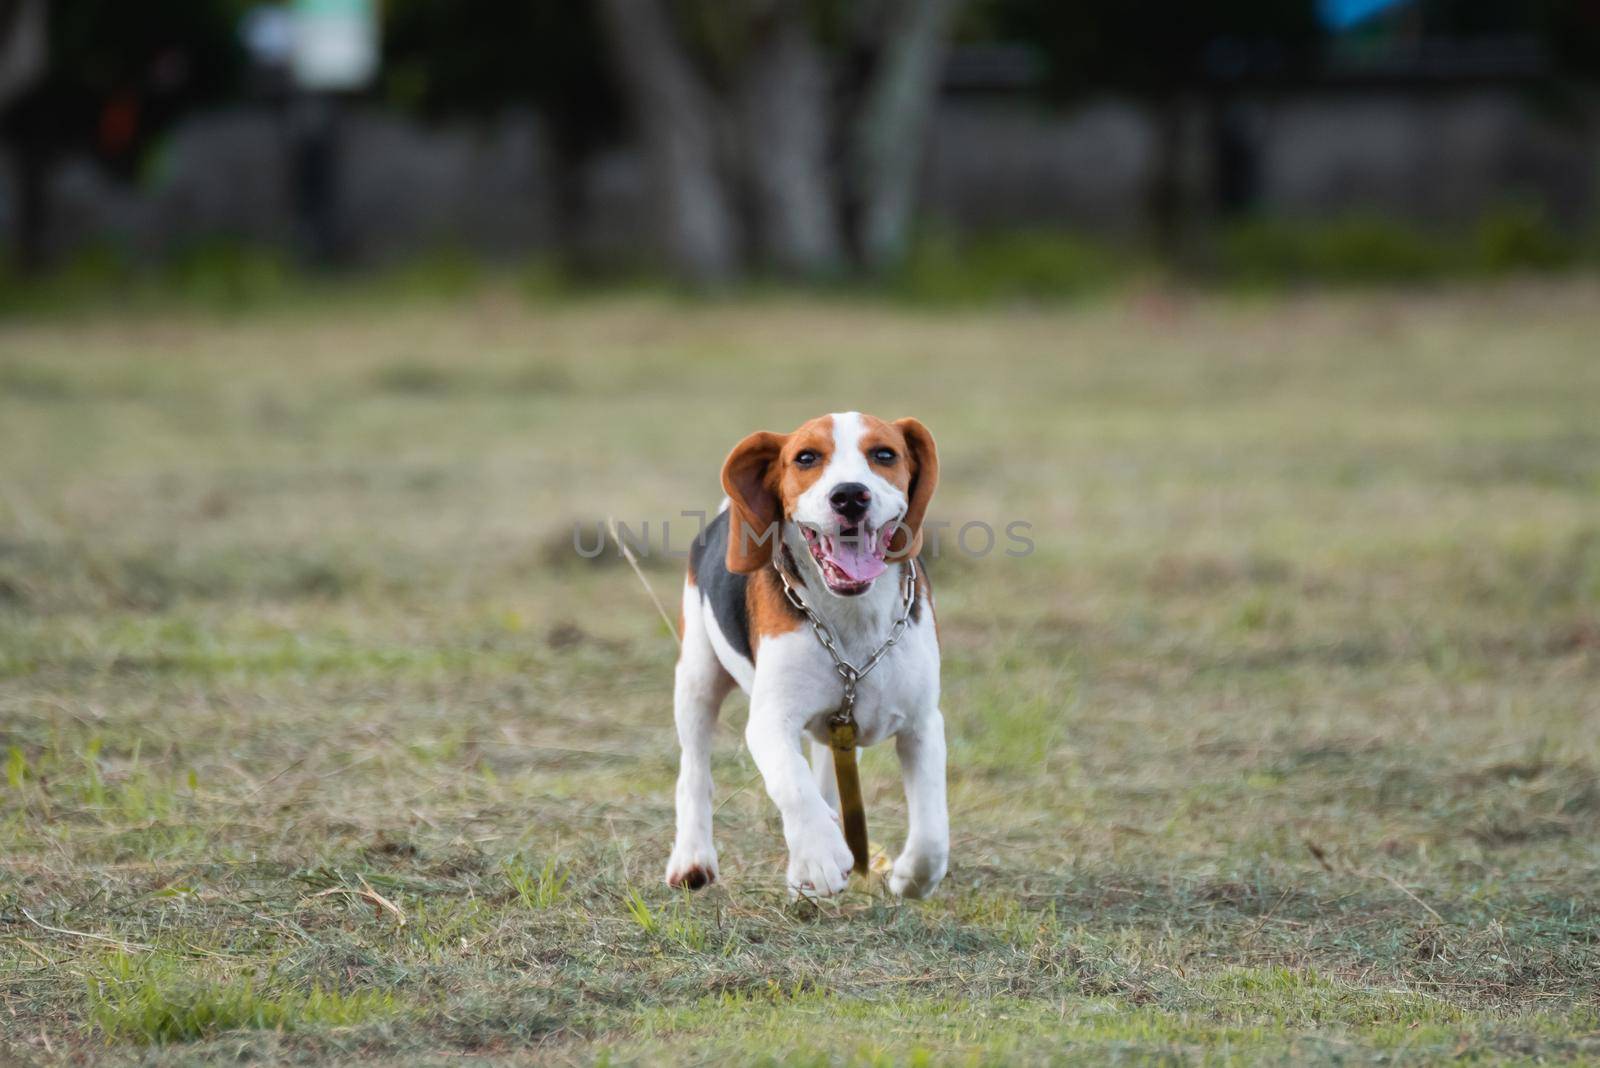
<point x="1018" y="147"/>
<point x="324" y="324"/>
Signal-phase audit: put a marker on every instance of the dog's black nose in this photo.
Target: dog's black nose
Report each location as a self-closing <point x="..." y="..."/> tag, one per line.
<point x="850" y="499"/>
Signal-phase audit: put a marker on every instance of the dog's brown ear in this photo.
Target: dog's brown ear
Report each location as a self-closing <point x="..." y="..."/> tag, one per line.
<point x="750" y="478"/>
<point x="924" y="457"/>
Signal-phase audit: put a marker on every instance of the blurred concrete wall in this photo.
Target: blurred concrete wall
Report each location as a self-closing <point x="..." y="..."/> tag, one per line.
<point x="226" y="175"/>
<point x="1437" y="158"/>
<point x="1000" y="165"/>
<point x="995" y="163"/>
<point x="1440" y="157"/>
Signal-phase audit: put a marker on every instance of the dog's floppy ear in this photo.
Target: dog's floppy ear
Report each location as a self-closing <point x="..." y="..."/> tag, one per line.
<point x="924" y="457"/>
<point x="750" y="479"/>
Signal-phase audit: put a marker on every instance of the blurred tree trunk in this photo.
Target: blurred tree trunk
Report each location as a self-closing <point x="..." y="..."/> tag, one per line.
<point x="741" y="154"/>
<point x="23" y="58"/>
<point x="908" y="38"/>
<point x="23" y="52"/>
<point x="676" y="117"/>
<point x="784" y="112"/>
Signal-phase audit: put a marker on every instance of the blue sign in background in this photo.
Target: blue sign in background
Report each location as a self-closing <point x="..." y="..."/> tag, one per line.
<point x="1344" y="14"/>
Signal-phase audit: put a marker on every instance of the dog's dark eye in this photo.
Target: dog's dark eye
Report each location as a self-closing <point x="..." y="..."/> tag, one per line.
<point x="806" y="457"/>
<point x="883" y="456"/>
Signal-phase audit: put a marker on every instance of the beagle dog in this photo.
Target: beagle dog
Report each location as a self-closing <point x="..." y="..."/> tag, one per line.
<point x="838" y="505"/>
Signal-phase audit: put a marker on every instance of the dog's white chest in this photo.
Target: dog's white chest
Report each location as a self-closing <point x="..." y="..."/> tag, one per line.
<point x="797" y="671"/>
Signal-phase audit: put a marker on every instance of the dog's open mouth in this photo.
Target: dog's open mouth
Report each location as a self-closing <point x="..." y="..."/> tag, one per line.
<point x="850" y="559"/>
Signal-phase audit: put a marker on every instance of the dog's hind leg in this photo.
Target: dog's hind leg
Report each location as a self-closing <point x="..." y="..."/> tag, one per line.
<point x="700" y="685"/>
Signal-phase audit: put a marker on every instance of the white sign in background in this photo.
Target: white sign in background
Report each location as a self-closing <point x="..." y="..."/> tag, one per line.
<point x="335" y="44"/>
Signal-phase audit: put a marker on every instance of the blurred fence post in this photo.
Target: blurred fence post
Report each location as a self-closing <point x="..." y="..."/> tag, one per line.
<point x="335" y="53"/>
<point x="314" y="176"/>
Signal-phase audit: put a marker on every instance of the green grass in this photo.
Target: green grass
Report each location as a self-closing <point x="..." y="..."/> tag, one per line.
<point x="137" y="999"/>
<point x="321" y="744"/>
<point x="535" y="889"/>
<point x="945" y="269"/>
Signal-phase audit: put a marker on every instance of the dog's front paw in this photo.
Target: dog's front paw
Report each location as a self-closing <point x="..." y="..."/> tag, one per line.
<point x="916" y="874"/>
<point x="692" y="866"/>
<point x="819" y="861"/>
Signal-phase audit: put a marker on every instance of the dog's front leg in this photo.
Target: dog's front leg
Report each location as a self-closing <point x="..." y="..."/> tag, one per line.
<point x="819" y="858"/>
<point x="922" y="863"/>
<point x="827" y="778"/>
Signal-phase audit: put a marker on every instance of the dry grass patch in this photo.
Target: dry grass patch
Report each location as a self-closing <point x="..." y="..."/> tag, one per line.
<point x="1279" y="747"/>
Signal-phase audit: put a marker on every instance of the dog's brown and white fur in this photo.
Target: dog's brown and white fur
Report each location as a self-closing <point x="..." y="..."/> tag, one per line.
<point x="842" y="478"/>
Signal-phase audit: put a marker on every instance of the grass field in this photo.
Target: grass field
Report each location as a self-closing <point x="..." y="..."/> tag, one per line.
<point x="321" y="743"/>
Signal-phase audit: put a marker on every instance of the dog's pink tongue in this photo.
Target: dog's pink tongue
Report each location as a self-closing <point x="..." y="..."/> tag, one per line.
<point x="854" y="556"/>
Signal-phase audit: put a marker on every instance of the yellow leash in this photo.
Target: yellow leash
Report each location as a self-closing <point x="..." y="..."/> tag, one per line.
<point x="853" y="809"/>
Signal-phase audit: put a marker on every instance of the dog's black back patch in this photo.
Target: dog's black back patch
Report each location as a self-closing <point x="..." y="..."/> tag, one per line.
<point x="720" y="588"/>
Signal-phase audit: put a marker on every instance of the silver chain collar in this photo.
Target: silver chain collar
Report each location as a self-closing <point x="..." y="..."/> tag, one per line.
<point x="848" y="672"/>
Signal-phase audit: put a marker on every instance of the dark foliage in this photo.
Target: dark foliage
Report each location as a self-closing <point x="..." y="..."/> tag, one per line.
<point x="476" y="57"/>
<point x="120" y="73"/>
